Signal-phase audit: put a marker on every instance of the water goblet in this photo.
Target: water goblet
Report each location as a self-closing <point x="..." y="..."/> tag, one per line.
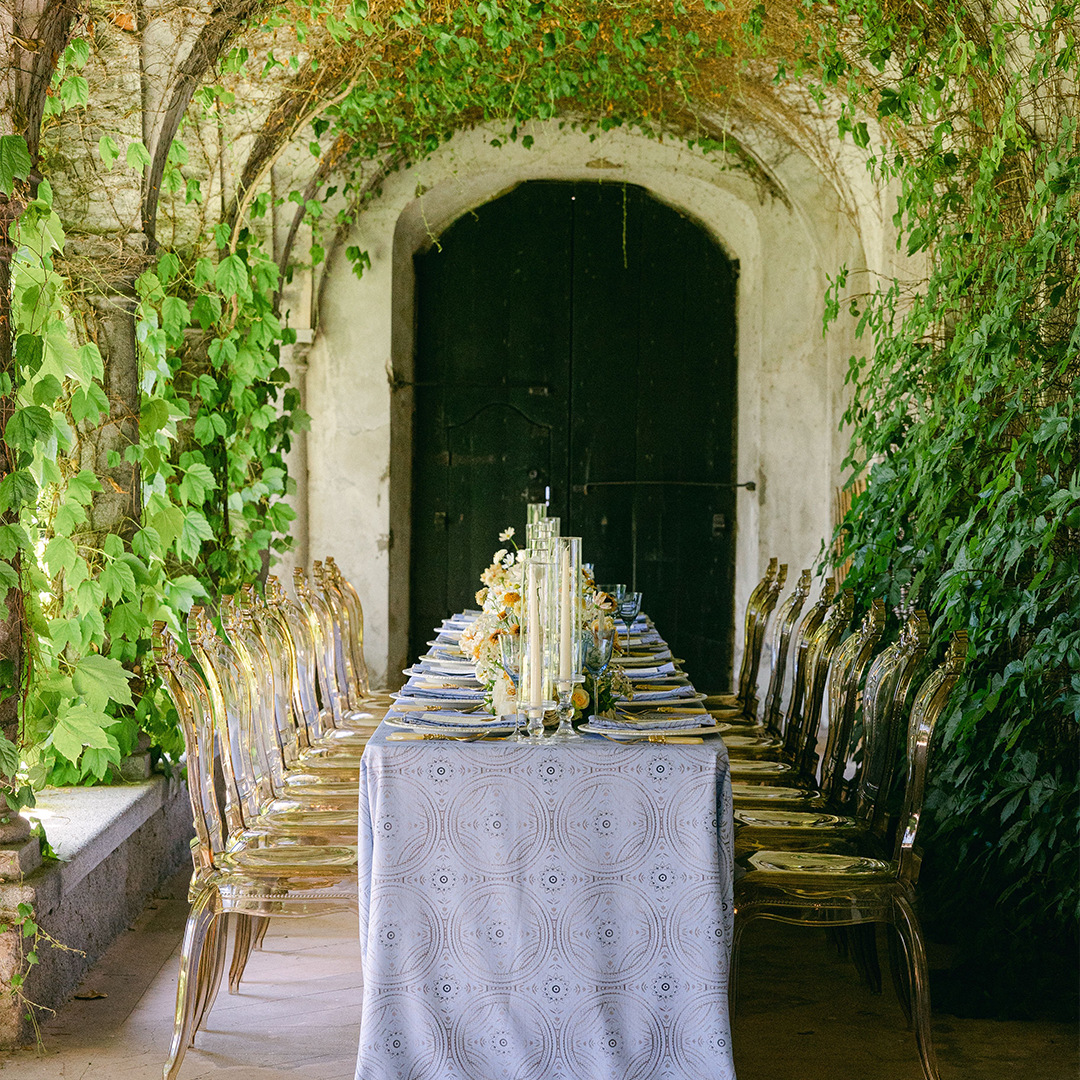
<point x="629" y="609"/>
<point x="598" y="641"/>
<point x="510" y="653"/>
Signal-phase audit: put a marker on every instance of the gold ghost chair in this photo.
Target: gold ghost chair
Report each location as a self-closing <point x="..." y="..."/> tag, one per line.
<point x="345" y="601"/>
<point x="815" y="647"/>
<point x="766" y="738"/>
<point x="333" y="684"/>
<point x="742" y="704"/>
<point x="238" y="872"/>
<point x="845" y="809"/>
<point x="842" y="890"/>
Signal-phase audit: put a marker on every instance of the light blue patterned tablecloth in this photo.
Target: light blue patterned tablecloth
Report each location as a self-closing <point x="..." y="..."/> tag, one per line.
<point x="545" y="913"/>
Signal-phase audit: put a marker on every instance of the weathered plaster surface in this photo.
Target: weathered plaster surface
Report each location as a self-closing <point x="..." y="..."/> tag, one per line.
<point x="791" y="397"/>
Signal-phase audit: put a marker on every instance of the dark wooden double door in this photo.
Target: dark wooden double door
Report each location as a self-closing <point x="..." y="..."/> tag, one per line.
<point x="577" y="341"/>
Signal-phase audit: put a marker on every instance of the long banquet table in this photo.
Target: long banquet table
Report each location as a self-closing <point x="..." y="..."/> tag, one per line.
<point x="560" y="910"/>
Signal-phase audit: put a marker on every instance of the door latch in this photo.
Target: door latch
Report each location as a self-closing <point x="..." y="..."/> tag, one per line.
<point x="719" y="524"/>
<point x="440" y="519"/>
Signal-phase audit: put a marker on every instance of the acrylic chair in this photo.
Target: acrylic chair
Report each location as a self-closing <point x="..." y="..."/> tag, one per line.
<point x="746" y="739"/>
<point x="826" y="814"/>
<point x="842" y="890"/>
<point x="743" y="701"/>
<point x="237" y="872"/>
<point x="339" y="591"/>
<point x="815" y="644"/>
<point x="324" y="632"/>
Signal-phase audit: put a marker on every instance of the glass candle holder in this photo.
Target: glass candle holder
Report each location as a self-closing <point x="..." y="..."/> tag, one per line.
<point x="569" y="616"/>
<point x="538" y="639"/>
<point x="535" y="512"/>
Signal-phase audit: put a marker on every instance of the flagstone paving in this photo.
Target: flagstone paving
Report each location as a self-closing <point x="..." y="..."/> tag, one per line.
<point x="803" y="1015"/>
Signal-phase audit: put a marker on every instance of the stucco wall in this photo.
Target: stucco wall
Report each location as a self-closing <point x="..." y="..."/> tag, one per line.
<point x="355" y="494"/>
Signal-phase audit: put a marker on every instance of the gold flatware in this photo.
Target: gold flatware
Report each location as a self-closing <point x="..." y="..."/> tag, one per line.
<point x="653" y="738"/>
<point x="401" y="736"/>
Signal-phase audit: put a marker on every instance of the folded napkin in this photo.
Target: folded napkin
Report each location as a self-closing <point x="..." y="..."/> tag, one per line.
<point x="649" y="722"/>
<point x="443" y="688"/>
<point x="672" y="693"/>
<point x="447" y="718"/>
<point x="643" y="672"/>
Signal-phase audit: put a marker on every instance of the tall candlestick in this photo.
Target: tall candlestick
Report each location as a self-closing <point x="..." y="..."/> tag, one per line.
<point x="536" y="633"/>
<point x="566" y="625"/>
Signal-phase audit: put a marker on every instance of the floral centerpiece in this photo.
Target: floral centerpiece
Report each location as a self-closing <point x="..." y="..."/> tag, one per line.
<point x="499" y="599"/>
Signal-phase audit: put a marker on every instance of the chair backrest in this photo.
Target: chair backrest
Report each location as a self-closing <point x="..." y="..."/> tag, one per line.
<point x="752" y="639"/>
<point x="808" y="627"/>
<point x="355" y="623"/>
<point x="929" y="704"/>
<point x="192" y="700"/>
<point x="846" y="670"/>
<point x="231" y="702"/>
<point x="819" y="653"/>
<point x="268" y="686"/>
<point x="317" y="619"/>
<point x="329" y="609"/>
<point x="766" y="603"/>
<point x="290" y="624"/>
<point x="888" y="684"/>
<point x="786" y="618"/>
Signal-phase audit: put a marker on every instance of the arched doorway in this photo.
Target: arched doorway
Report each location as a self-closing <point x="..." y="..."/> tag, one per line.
<point x="579" y="337"/>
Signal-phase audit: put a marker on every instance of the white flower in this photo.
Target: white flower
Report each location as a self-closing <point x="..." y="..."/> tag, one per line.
<point x="506" y="534"/>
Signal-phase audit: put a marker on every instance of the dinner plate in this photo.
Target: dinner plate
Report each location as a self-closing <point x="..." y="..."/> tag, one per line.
<point x="643" y="732"/>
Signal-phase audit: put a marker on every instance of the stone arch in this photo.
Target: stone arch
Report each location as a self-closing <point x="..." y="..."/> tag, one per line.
<point x="355" y="497"/>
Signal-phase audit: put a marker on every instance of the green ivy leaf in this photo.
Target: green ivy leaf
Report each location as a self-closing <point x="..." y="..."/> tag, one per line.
<point x="100" y="680"/>
<point x="79" y="725"/>
<point x="117" y="579"/>
<point x="60" y="554"/>
<point x="18" y="489"/>
<point x="75" y="92"/>
<point x="137" y="157"/>
<point x="154" y="415"/>
<point x="206" y="310"/>
<point x="9" y="757"/>
<point x="26" y="426"/>
<point x="195" y="530"/>
<point x="47" y="389"/>
<point x="108" y="150"/>
<point x="175" y="315"/>
<point x="127" y="620"/>
<point x="198" y="480"/>
<point x="231" y="277"/>
<point x="88" y="403"/>
<point x="15" y="162"/>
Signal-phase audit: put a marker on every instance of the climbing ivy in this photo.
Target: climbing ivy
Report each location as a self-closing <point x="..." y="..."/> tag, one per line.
<point x="963" y="414"/>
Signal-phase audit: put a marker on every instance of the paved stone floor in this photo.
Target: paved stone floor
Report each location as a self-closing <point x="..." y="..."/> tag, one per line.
<point x="803" y="1015"/>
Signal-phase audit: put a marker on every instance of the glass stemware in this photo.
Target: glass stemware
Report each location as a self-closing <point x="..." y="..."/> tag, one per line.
<point x="510" y="654"/>
<point x="597" y="643"/>
<point x="629" y="609"/>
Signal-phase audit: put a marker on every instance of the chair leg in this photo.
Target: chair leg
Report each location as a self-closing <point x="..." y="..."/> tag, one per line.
<point x="865" y="956"/>
<point x="242" y="944"/>
<point x="899" y="971"/>
<point x="260" y="932"/>
<point x="204" y="911"/>
<point x="733" y="972"/>
<point x="907" y="925"/>
<point x="214" y="949"/>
